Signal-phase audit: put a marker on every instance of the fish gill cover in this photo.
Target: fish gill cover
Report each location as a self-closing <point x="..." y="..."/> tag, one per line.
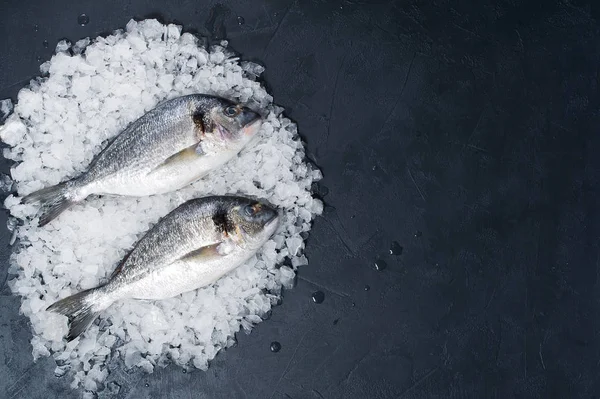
<point x="88" y="94"/>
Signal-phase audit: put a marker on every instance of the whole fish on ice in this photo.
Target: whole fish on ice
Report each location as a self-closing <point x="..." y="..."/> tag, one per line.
<point x="192" y="246"/>
<point x="169" y="147"/>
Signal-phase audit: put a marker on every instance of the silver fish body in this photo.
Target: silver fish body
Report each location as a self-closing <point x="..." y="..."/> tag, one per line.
<point x="191" y="247"/>
<point x="171" y="146"/>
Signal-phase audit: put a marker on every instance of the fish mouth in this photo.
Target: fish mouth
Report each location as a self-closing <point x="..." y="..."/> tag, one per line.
<point x="248" y="117"/>
<point x="252" y="128"/>
<point x="272" y="220"/>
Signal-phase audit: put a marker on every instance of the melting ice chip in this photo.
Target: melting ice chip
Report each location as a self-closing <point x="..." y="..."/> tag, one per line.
<point x="6" y="183"/>
<point x="6" y="107"/>
<point x="252" y="69"/>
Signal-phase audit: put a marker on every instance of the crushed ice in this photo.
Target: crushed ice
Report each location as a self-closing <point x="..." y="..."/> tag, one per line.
<point x="91" y="91"/>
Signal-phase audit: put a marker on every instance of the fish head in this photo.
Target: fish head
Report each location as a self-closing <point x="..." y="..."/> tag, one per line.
<point x="227" y="122"/>
<point x="254" y="221"/>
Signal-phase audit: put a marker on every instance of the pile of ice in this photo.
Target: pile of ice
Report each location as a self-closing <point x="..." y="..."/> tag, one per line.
<point x="90" y="92"/>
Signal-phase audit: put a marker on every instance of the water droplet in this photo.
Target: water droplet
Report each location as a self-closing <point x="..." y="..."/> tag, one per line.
<point x="353" y="305"/>
<point x="275" y="346"/>
<point x="367" y="288"/>
<point x="45" y="43"/>
<point x="184" y="371"/>
<point x="418" y="234"/>
<point x="395" y="249"/>
<point x="336" y="321"/>
<point x="380" y="265"/>
<point x="147" y="385"/>
<point x="374" y="167"/>
<point x="241" y="20"/>
<point x="318" y="297"/>
<point x="113" y="387"/>
<point x="36" y="27"/>
<point x="83" y="19"/>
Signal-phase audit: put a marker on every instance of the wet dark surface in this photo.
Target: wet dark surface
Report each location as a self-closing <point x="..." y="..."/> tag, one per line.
<point x="465" y="131"/>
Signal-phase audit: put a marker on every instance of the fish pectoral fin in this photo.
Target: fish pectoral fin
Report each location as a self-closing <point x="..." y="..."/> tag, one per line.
<point x="182" y="157"/>
<point x="216" y="250"/>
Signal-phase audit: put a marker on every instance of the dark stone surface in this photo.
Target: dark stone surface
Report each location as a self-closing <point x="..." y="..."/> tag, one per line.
<point x="473" y="122"/>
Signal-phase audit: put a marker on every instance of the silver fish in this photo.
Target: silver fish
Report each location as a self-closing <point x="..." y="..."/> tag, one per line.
<point x="171" y="146"/>
<point x="191" y="247"/>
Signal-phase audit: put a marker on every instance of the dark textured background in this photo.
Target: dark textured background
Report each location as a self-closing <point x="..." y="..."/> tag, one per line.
<point x="473" y="122"/>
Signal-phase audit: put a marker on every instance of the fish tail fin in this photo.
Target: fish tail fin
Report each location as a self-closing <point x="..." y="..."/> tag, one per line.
<point x="81" y="309"/>
<point x="54" y="201"/>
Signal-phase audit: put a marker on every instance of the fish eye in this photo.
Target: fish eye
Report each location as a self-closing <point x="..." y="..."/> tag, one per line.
<point x="231" y="111"/>
<point x="249" y="210"/>
<point x="252" y="210"/>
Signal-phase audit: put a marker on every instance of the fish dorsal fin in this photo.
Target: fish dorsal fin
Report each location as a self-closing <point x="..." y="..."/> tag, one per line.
<point x="182" y="157"/>
<point x="211" y="251"/>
